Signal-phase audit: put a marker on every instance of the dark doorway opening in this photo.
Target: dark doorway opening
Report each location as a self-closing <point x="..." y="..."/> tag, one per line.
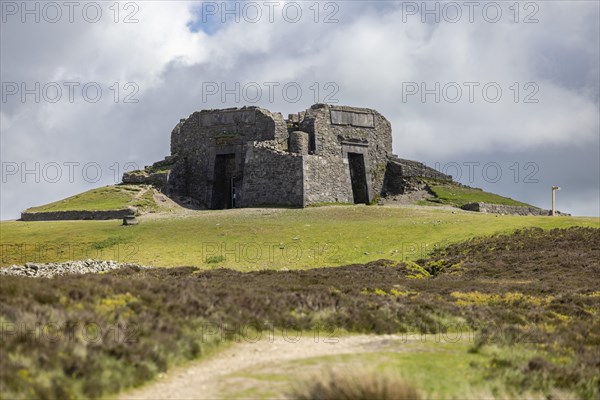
<point x="223" y="184"/>
<point x="358" y="177"/>
<point x="312" y="143"/>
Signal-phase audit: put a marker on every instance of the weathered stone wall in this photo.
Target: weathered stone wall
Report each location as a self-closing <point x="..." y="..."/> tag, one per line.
<point x="410" y="168"/>
<point x="394" y="183"/>
<point x="399" y="175"/>
<point x="326" y="179"/>
<point x="272" y="177"/>
<point x="175" y="136"/>
<point x="77" y="215"/>
<point x="157" y="179"/>
<point x="335" y="130"/>
<point x="299" y="142"/>
<point x="504" y="209"/>
<point x="202" y="136"/>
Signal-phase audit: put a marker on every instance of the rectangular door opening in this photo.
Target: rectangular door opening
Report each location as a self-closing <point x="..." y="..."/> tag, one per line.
<point x="358" y="177"/>
<point x="223" y="185"/>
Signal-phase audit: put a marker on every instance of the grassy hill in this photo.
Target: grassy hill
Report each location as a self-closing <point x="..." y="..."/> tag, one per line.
<point x="116" y="197"/>
<point x="113" y="197"/>
<point x="458" y="195"/>
<point x="249" y="239"/>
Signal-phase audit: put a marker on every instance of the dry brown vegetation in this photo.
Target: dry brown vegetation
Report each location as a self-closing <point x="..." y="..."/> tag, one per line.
<point x="533" y="289"/>
<point x="353" y="386"/>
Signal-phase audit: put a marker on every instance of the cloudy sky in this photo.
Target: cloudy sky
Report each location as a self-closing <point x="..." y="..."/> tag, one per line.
<point x="501" y="95"/>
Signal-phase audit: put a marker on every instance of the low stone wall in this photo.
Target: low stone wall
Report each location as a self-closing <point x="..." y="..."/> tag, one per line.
<point x="77" y="215"/>
<point x="410" y="168"/>
<point x="404" y="176"/>
<point x="504" y="209"/>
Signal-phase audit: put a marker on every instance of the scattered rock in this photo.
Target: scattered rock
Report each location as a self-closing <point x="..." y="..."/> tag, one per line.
<point x="130" y="220"/>
<point x="50" y="270"/>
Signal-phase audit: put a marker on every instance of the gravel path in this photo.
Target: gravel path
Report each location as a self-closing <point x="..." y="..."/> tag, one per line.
<point x="207" y="379"/>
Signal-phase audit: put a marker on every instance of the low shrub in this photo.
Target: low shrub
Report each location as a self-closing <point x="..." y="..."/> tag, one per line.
<point x="353" y="386"/>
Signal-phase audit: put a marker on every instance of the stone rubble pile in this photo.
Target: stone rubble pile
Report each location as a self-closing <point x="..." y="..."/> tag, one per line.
<point x="35" y="270"/>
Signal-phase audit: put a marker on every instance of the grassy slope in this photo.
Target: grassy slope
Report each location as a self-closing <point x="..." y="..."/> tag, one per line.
<point x="455" y="195"/>
<point x="251" y="239"/>
<point x="120" y="196"/>
<point x="113" y="197"/>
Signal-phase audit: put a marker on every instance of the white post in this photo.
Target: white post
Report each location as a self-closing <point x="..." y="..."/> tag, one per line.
<point x="554" y="189"/>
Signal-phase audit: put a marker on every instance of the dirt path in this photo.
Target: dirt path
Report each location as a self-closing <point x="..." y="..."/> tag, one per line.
<point x="206" y="379"/>
<point x="141" y="192"/>
<point x="166" y="202"/>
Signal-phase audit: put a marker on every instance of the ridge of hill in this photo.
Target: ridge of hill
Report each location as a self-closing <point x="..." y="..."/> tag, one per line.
<point x="143" y="198"/>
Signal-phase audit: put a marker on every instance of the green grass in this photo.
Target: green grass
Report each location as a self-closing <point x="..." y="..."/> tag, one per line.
<point x="439" y="370"/>
<point x="100" y="199"/>
<point x="146" y="202"/>
<point x="252" y="239"/>
<point x="215" y="259"/>
<point x="114" y="197"/>
<point x="326" y="204"/>
<point x="458" y="196"/>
